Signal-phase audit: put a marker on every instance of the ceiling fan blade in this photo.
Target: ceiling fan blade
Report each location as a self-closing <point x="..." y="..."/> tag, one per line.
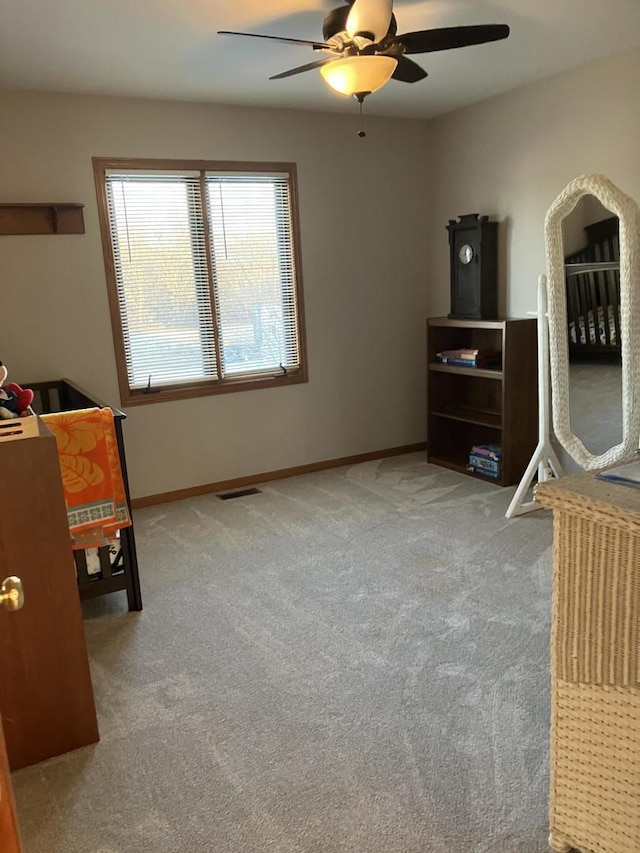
<point x="302" y="68"/>
<point x="317" y="45"/>
<point x="336" y="21"/>
<point x="370" y="16"/>
<point x="447" y="38"/>
<point x="408" y="71"/>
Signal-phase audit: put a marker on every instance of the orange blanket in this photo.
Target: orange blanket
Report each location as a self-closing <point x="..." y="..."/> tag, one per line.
<point x="91" y="475"/>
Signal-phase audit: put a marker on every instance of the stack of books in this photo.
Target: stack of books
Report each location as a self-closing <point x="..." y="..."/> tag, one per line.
<point x="486" y="459"/>
<point x="469" y="357"/>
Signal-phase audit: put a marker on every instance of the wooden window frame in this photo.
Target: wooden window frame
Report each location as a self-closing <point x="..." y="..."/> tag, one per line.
<point x="201" y="388"/>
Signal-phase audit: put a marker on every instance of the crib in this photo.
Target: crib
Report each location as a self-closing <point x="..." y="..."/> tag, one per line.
<point x="112" y="568"/>
<point x="593" y="298"/>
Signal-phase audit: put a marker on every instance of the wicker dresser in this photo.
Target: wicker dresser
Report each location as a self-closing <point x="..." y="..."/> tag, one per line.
<point x="595" y="646"/>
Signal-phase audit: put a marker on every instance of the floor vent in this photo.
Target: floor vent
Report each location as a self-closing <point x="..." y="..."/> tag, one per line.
<point x="241" y="493"/>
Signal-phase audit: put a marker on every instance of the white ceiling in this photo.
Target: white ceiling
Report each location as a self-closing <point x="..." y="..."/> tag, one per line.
<point x="170" y="49"/>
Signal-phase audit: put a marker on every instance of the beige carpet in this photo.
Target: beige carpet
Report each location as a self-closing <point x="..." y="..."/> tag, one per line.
<point x="354" y="660"/>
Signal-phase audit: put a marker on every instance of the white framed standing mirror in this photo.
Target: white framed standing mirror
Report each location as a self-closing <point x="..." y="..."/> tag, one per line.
<point x="621" y="326"/>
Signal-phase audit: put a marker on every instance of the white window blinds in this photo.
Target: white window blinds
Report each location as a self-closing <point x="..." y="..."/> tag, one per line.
<point x="254" y="271"/>
<point x="198" y="307"/>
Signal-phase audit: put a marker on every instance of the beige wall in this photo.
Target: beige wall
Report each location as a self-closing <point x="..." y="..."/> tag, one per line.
<point x="512" y="155"/>
<point x="364" y="213"/>
<point x="374" y="244"/>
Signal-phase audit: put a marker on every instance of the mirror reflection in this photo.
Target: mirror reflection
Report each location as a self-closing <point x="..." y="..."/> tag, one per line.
<point x="590" y="235"/>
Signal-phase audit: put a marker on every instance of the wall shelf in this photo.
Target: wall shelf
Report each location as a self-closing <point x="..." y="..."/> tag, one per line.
<point x="41" y="218"/>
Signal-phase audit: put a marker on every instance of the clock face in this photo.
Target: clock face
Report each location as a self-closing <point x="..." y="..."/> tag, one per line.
<point x="465" y="254"/>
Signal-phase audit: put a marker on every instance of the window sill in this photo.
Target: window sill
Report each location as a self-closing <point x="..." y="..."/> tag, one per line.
<point x="207" y="389"/>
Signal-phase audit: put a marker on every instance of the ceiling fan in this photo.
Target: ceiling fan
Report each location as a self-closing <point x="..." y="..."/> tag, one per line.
<point x="366" y="50"/>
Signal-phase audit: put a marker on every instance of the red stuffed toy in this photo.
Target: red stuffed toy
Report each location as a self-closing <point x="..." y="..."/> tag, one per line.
<point x="14" y="400"/>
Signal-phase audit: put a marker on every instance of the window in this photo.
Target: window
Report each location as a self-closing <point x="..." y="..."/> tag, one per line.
<point x="203" y="270"/>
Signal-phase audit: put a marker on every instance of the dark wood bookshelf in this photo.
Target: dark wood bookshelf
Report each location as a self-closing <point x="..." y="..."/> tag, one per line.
<point x="474" y="405"/>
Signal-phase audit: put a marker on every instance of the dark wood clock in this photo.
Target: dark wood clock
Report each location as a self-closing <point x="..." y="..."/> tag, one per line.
<point x="473" y="243"/>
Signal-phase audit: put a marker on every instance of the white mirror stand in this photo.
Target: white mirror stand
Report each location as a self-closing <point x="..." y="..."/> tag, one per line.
<point x="552" y="339"/>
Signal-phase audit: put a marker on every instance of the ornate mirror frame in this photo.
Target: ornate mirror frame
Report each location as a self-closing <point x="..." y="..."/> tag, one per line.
<point x="628" y="213"/>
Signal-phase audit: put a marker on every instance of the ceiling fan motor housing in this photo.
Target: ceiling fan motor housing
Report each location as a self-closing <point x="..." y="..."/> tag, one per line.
<point x="336" y="23"/>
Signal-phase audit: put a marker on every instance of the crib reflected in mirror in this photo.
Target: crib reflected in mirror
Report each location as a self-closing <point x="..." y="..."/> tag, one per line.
<point x="591" y="236"/>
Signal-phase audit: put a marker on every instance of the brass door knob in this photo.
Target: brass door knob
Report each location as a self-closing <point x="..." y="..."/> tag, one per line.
<point x="12" y="593"/>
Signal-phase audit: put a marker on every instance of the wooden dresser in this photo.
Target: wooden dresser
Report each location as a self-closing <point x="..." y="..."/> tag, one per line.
<point x="595" y="647"/>
<point x="46" y="695"/>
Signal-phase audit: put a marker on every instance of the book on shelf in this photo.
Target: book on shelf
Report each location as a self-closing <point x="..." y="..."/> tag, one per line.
<point x="457" y="362"/>
<point x="622" y="475"/>
<point x="488" y="451"/>
<point x="486" y="467"/>
<point x="464" y="362"/>
<point x="469" y="357"/>
<point x="486" y="459"/>
<point x="466" y="354"/>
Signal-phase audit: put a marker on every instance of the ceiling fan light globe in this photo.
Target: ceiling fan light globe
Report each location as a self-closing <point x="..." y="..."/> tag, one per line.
<point x="357" y="74"/>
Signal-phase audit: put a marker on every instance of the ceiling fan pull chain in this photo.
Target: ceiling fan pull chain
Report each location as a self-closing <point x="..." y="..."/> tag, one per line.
<point x="362" y="132"/>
